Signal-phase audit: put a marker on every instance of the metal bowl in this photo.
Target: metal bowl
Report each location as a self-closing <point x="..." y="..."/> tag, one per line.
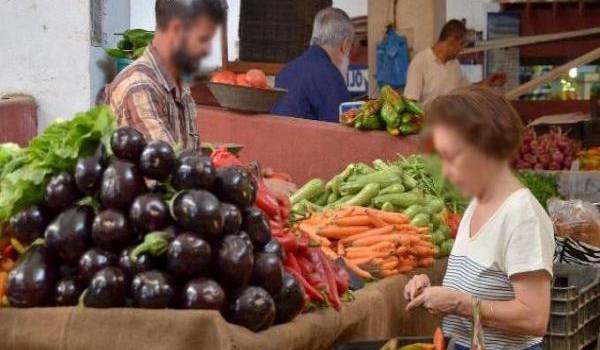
<point x="247" y="99"/>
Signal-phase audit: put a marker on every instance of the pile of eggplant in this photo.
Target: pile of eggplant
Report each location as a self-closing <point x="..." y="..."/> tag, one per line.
<point x="142" y="226"/>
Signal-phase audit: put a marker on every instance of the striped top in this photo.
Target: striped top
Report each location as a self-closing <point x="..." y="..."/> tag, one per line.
<point x="518" y="238"/>
<point x="146" y="97"/>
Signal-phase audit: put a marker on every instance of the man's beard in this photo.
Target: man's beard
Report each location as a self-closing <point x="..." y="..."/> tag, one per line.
<point x="343" y="67"/>
<point x="186" y="63"/>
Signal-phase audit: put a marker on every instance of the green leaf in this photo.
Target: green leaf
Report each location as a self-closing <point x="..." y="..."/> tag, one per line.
<point x="116" y="53"/>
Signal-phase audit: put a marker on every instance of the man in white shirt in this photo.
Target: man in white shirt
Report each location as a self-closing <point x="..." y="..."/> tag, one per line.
<point x="435" y="71"/>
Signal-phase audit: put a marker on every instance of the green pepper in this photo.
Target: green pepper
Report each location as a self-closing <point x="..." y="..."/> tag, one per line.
<point x="358" y="122"/>
<point x="124" y="44"/>
<point x="413" y="106"/>
<point x="393" y="131"/>
<point x="116" y="53"/>
<point x="390" y="116"/>
<point x="406" y="118"/>
<point x="408" y="129"/>
<point x="372" y="123"/>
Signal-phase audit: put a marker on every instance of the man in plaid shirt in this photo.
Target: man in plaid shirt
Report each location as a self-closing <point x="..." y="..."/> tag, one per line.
<point x="150" y="95"/>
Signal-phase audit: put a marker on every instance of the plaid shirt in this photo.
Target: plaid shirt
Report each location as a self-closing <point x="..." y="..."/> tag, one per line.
<point x="146" y="97"/>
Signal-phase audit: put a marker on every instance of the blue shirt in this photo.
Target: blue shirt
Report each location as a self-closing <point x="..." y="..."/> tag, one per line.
<point x="315" y="87"/>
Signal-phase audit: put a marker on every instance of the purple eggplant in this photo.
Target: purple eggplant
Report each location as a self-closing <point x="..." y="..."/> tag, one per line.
<point x="93" y="261"/>
<point x="274" y="247"/>
<point x="128" y="144"/>
<point x="149" y="213"/>
<point x="68" y="291"/>
<point x="232" y="219"/>
<point x="234" y="262"/>
<point x="289" y="302"/>
<point x="32" y="281"/>
<point x="29" y="224"/>
<point x="121" y="183"/>
<point x="61" y="191"/>
<point x="205" y="294"/>
<point x="193" y="172"/>
<point x="267" y="272"/>
<point x="153" y="290"/>
<point x="188" y="256"/>
<point x="108" y="288"/>
<point x="144" y="262"/>
<point x="257" y="225"/>
<point x="89" y="170"/>
<point x="252" y="308"/>
<point x="157" y="160"/>
<point x="200" y="212"/>
<point x="70" y="234"/>
<point x="235" y="186"/>
<point x="111" y="231"/>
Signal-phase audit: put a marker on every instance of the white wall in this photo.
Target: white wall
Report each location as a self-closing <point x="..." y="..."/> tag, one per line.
<point x="44" y="51"/>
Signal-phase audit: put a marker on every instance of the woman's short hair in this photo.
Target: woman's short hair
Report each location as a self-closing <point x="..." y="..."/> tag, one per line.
<point x="484" y="118"/>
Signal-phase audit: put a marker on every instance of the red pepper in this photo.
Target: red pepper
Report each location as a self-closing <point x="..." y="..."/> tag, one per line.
<point x="310" y="290"/>
<point x="316" y="281"/>
<point x="333" y="293"/>
<point x="287" y="242"/>
<point x="265" y="201"/>
<point x="302" y="243"/>
<point x="9" y="252"/>
<point x="223" y="158"/>
<point x="306" y="266"/>
<point x="320" y="269"/>
<point x="275" y="225"/>
<point x="342" y="278"/>
<point x="292" y="262"/>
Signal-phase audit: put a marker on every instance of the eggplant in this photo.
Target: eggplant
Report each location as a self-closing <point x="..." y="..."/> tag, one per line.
<point x="234" y="261"/>
<point x="149" y="213"/>
<point x="93" y="261"/>
<point x="153" y="290"/>
<point x="234" y="185"/>
<point x="144" y="262"/>
<point x="110" y="230"/>
<point x="188" y="256"/>
<point x="267" y="272"/>
<point x="193" y="172"/>
<point x="232" y="219"/>
<point x="70" y="234"/>
<point x="253" y="308"/>
<point x="128" y="144"/>
<point x="157" y="160"/>
<point x="203" y="293"/>
<point x="274" y="247"/>
<point x="89" y="170"/>
<point x="29" y="224"/>
<point x="199" y="211"/>
<point x="68" y="291"/>
<point x="108" y="288"/>
<point x="246" y="239"/>
<point x="121" y="183"/>
<point x="32" y="280"/>
<point x="61" y="191"/>
<point x="257" y="225"/>
<point x="290" y="300"/>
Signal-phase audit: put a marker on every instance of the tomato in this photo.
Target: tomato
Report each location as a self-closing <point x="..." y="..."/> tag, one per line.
<point x="224" y="77"/>
<point x="242" y="80"/>
<point x="257" y="78"/>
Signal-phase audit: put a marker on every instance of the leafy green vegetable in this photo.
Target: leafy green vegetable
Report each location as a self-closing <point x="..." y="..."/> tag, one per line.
<point x="543" y="186"/>
<point x="8" y="152"/>
<point x="23" y="177"/>
<point x="132" y="45"/>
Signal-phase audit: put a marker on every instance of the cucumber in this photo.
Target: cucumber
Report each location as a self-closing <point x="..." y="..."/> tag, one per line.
<point x="395" y="188"/>
<point x="383" y="178"/>
<point x="399" y="200"/>
<point x="363" y="198"/>
<point x="420" y="220"/>
<point x="310" y="190"/>
<point x="409" y="182"/>
<point x="332" y="198"/>
<point x="434" y="206"/>
<point x="322" y="200"/>
<point x="387" y="206"/>
<point x="413" y="210"/>
<point x="437" y="238"/>
<point x="436" y="220"/>
<point x="445" y="230"/>
<point x="338" y="203"/>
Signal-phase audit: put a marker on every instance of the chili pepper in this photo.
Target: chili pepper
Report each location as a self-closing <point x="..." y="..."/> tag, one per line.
<point x="306" y="266"/>
<point x="288" y="242"/>
<point x="223" y="158"/>
<point x="316" y="280"/>
<point x="302" y="243"/>
<point x="320" y="269"/>
<point x="292" y="262"/>
<point x="9" y="252"/>
<point x="342" y="278"/>
<point x="312" y="293"/>
<point x="265" y="201"/>
<point x="275" y="225"/>
<point x="333" y="293"/>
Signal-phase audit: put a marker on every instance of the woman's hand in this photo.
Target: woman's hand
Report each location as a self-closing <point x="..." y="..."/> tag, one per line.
<point x="441" y="300"/>
<point x="415" y="286"/>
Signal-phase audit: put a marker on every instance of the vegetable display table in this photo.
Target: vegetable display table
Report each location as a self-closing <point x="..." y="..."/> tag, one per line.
<point x="302" y="148"/>
<point x="378" y="312"/>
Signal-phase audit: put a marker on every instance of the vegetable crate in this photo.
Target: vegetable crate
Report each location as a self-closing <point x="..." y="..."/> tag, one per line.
<point x="575" y="309"/>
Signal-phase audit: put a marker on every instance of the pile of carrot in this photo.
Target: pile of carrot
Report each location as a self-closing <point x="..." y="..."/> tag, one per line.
<point x="373" y="243"/>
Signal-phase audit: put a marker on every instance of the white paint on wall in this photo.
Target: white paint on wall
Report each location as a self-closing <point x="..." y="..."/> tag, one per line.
<point x="44" y="52"/>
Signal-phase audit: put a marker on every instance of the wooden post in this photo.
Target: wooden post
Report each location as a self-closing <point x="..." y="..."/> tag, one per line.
<point x="553" y="74"/>
<point x="224" y="46"/>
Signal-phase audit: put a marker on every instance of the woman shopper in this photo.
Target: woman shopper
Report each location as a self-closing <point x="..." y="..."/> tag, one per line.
<point x="501" y="262"/>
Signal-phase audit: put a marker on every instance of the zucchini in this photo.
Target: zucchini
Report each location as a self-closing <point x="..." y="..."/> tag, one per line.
<point x="395" y="188"/>
<point x="399" y="200"/>
<point x="420" y="220"/>
<point x="363" y="198"/>
<point x="383" y="178"/>
<point x="387" y="206"/>
<point x="409" y="182"/>
<point x="332" y="198"/>
<point x="437" y="238"/>
<point x="445" y="230"/>
<point x="322" y="200"/>
<point x="434" y="206"/>
<point x="310" y="190"/>
<point x="338" y="203"/>
<point x="436" y="220"/>
<point x="413" y="210"/>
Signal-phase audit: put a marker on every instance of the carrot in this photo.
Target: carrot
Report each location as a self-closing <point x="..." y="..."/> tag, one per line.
<point x="389" y="264"/>
<point x="3" y="283"/>
<point x="313" y="236"/>
<point x="368" y="241"/>
<point x="426" y="262"/>
<point x="329" y="253"/>
<point x="385" y="245"/>
<point x="372" y="232"/>
<point x="377" y="222"/>
<point x="359" y="249"/>
<point x="401" y="250"/>
<point x="438" y="339"/>
<point x="358" y="210"/>
<point x="337" y="232"/>
<point x="404" y="268"/>
<point x="422" y="251"/>
<point x="359" y="261"/>
<point x="340" y="248"/>
<point x="423" y="229"/>
<point x="358" y="220"/>
<point x="7" y="264"/>
<point x="357" y="270"/>
<point x="392" y="218"/>
<point x="367" y="253"/>
<point x="388" y="273"/>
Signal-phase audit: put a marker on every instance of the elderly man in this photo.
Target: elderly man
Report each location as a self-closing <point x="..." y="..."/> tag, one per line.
<point x="315" y="81"/>
<point x="435" y="71"/>
<point x="150" y="95"/>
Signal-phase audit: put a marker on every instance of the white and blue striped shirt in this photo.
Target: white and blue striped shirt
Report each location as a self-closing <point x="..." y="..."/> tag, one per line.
<point x="517" y="238"/>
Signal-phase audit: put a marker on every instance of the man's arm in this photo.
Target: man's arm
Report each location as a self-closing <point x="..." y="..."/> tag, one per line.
<point x="142" y="108"/>
<point x="414" y="81"/>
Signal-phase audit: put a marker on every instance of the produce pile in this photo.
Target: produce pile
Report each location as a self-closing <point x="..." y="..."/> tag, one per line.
<point x="543" y="186"/>
<point x="413" y="186"/>
<point x="589" y="159"/>
<point x="551" y="151"/>
<point x="253" y="78"/>
<point x="372" y="243"/>
<point x="439" y="343"/>
<point x="392" y="112"/>
<point x="132" y="45"/>
<point x="114" y="221"/>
